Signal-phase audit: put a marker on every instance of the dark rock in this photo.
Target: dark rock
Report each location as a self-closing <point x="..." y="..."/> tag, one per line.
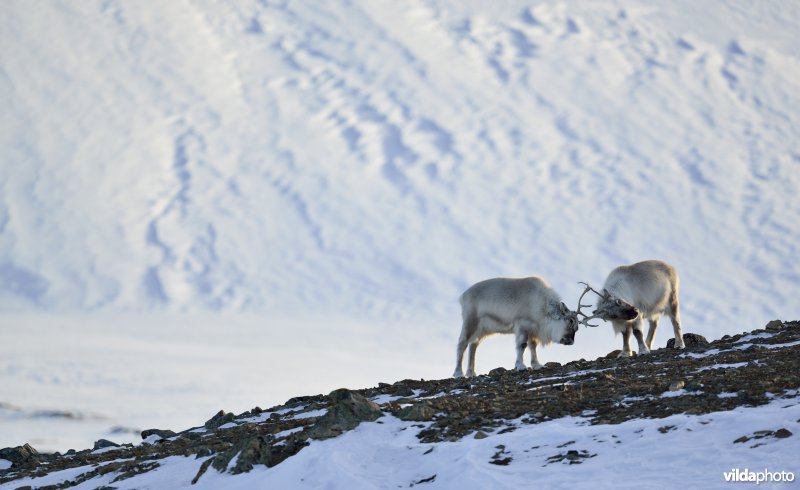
<point x="694" y="386"/>
<point x="400" y="389"/>
<point x="162" y="433"/>
<point x="481" y="435"/>
<point x="202" y="470"/>
<point x="347" y="410"/>
<point x="21" y="455"/>
<point x="103" y="443"/>
<point x="383" y="385"/>
<point x="690" y="340"/>
<point x="303" y="400"/>
<point x="613" y="354"/>
<point x="550" y="365"/>
<point x="420" y="412"/>
<point x="782" y="433"/>
<point x="425" y="480"/>
<point x="251" y="451"/>
<point x="221" y="418"/>
<point x="774" y="325"/>
<point x="254" y="451"/>
<point x="502" y="461"/>
<point x="497" y="372"/>
<point x="194" y="436"/>
<point x="571" y="457"/>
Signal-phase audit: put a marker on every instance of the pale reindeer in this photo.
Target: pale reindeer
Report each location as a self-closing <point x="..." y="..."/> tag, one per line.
<point x="528" y="308"/>
<point x="634" y="292"/>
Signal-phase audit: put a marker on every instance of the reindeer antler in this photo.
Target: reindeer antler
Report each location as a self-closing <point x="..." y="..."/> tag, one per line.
<point x="586" y="318"/>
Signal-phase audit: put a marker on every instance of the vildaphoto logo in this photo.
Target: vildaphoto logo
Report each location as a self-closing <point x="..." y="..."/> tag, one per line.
<point x="765" y="476"/>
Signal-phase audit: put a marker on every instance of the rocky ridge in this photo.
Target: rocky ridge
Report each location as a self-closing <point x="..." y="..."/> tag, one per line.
<point x="748" y="369"/>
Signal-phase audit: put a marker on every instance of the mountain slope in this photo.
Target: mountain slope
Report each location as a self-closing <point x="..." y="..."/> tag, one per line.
<point x="374" y="159"/>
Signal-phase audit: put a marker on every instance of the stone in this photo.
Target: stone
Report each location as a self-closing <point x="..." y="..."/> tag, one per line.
<point x="774" y="326"/>
<point x="104" y="443"/>
<point x="690" y="340"/>
<point x="347" y="410"/>
<point x="20" y="455"/>
<point x="193" y="436"/>
<point x="251" y="451"/>
<point x="496" y="372"/>
<point x="419" y="412"/>
<point x="550" y="365"/>
<point x="402" y="390"/>
<point x="481" y="435"/>
<point x="694" y="386"/>
<point x="783" y="433"/>
<point x="221" y="418"/>
<point x="162" y="433"/>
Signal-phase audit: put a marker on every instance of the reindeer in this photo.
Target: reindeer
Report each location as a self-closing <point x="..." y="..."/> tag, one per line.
<point x="634" y="292"/>
<point x="528" y="308"/>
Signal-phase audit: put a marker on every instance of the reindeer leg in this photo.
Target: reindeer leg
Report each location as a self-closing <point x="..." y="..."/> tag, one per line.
<point x="639" y="334"/>
<point x="532" y="344"/>
<point x="469" y="329"/>
<point x="471" y="363"/>
<point x="651" y="333"/>
<point x="675" y="317"/>
<point x="460" y="348"/>
<point x="626" y="342"/>
<point x="522" y="342"/>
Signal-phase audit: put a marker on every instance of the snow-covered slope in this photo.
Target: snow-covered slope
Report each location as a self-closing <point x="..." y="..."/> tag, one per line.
<point x="697" y="451"/>
<point x="375" y="158"/>
<point x="698" y="419"/>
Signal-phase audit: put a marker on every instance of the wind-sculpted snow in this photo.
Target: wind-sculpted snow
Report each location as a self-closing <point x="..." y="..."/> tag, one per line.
<point x="375" y="158"/>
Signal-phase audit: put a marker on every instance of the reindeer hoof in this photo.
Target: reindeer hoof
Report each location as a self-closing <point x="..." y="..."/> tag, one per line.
<point x="625" y="353"/>
<point x="537" y="366"/>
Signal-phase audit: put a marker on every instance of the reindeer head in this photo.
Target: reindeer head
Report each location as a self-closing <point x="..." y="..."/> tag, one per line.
<point x="572" y="323"/>
<point x="608" y="308"/>
<point x="613" y="308"/>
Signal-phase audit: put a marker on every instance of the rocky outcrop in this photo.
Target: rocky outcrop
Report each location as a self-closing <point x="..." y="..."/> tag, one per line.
<point x="691" y="340"/>
<point x="741" y="370"/>
<point x="221" y="418"/>
<point x="161" y="433"/>
<point x="347" y="410"/>
<point x="21" y="456"/>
